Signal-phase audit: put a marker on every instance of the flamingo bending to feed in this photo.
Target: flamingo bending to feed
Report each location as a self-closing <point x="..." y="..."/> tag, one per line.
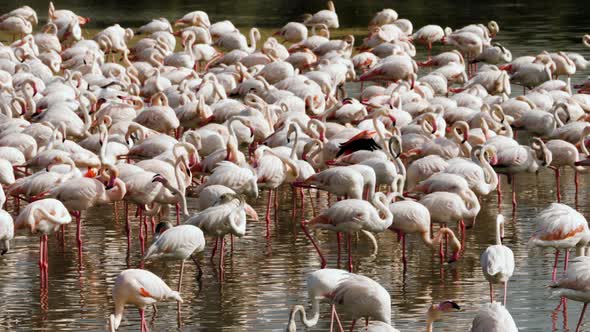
<point x="497" y="261"/>
<point x="44" y="216"/>
<point x="561" y="227"/>
<point x="361" y="296"/>
<point x="352" y="215"/>
<point x="140" y="288"/>
<point x="178" y="242"/>
<point x="227" y="216"/>
<point x="413" y="217"/>
<point x="575" y="284"/>
<point x="320" y="284"/>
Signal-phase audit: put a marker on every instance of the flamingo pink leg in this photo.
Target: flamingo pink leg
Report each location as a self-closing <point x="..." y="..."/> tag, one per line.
<point x="141" y="238"/>
<point x="315" y="245"/>
<point x="268" y="203"/>
<point x="339" y="239"/>
<point x="499" y="190"/>
<point x="566" y="260"/>
<point x="294" y="200"/>
<point x="352" y="325"/>
<point x="302" y="197"/>
<point x="177" y="214"/>
<point x="127" y="225"/>
<point x="557" y="184"/>
<point x="577" y="181"/>
<point x="403" y="240"/>
<point x="554" y="274"/>
<point x="491" y="293"/>
<point x="221" y="255"/>
<point x="78" y="229"/>
<point x="214" y="249"/>
<point x="349" y="244"/>
<point x="581" y="317"/>
<point x="513" y="193"/>
<point x="41" y="258"/>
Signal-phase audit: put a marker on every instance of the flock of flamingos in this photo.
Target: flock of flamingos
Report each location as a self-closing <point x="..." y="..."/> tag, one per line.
<point x="88" y="122"/>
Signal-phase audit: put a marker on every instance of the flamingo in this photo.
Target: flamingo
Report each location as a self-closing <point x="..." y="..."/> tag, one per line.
<point x="44" y="216"/>
<point x="178" y="242"/>
<point x="518" y="159"/>
<point x="140" y="288"/>
<point x="561" y="227"/>
<point x="412" y="217"/>
<point x="574" y="284"/>
<point x="478" y="172"/>
<point x="493" y="317"/>
<point x="320" y="284"/>
<point x="328" y="17"/>
<point x="566" y="154"/>
<point x="448" y="207"/>
<point x="6" y="227"/>
<point x="352" y="215"/>
<point x="362" y="297"/>
<point x="497" y="261"/>
<point x="227" y="216"/>
<point x="429" y="34"/>
<point x="82" y="193"/>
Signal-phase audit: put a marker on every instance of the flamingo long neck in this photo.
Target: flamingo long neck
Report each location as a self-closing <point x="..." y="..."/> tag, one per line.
<point x="583" y="145"/>
<point x="47" y="215"/>
<point x="293" y="155"/>
<point x="103" y="134"/>
<point x="499" y="222"/>
<point x="315" y="312"/>
<point x="473" y="203"/>
<point x="252" y="47"/>
<point x="118" y="316"/>
<point x="429" y="324"/>
<point x="116" y="193"/>
<point x="489" y="173"/>
<point x="383" y="208"/>
<point x="181" y="189"/>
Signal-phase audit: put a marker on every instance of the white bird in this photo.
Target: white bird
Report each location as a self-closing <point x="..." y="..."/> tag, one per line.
<point x="363" y="297"/>
<point x="140" y="288"/>
<point x="6" y="229"/>
<point x="176" y="243"/>
<point x="493" y="317"/>
<point x="320" y="284"/>
<point x="497" y="261"/>
<point x="575" y="284"/>
<point x="561" y="227"/>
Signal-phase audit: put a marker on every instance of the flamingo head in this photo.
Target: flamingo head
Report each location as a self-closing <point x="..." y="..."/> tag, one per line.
<point x="159" y="178"/>
<point x="162" y="227"/>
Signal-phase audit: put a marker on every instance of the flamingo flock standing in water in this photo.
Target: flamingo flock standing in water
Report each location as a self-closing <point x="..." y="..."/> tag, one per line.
<point x="196" y="110"/>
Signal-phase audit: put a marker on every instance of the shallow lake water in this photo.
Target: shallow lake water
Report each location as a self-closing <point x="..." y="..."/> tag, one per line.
<point x="265" y="278"/>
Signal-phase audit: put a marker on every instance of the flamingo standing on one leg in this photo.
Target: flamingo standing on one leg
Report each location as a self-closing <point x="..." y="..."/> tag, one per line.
<point x="413" y="217"/>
